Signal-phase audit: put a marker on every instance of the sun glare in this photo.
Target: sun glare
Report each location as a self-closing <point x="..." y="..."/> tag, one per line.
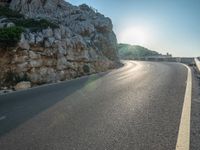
<point x="135" y="35"/>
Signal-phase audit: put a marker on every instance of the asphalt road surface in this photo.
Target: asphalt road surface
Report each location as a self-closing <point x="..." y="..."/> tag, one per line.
<point x="136" y="107"/>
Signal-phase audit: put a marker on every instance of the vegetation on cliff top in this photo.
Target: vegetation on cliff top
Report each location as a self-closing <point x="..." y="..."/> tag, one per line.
<point x="9" y="36"/>
<point x="35" y="25"/>
<point x="127" y="51"/>
<point x="8" y="13"/>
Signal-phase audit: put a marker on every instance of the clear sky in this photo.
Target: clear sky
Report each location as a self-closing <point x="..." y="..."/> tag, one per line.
<point x="163" y="25"/>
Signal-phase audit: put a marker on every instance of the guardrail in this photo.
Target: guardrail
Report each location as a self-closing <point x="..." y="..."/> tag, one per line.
<point x="197" y="61"/>
<point x="185" y="60"/>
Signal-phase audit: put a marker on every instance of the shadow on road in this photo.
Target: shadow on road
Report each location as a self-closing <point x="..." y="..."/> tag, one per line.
<point x="18" y="107"/>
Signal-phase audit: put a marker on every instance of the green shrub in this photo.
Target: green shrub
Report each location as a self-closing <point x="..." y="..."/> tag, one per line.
<point x="86" y="69"/>
<point x="6" y="12"/>
<point x="34" y="25"/>
<point x="10" y="36"/>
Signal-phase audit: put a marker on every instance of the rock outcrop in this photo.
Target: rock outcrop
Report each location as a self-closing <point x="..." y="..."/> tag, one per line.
<point x="84" y="21"/>
<point x="83" y="43"/>
<point x="22" y="85"/>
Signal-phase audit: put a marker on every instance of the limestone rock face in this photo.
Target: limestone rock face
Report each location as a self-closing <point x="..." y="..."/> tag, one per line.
<point x="84" y="43"/>
<point x="82" y="20"/>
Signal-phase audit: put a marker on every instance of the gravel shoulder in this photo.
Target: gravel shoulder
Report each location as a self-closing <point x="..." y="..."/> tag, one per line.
<point x="195" y="114"/>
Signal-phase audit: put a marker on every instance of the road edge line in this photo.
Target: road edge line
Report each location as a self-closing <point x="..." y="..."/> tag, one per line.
<point x="183" y="140"/>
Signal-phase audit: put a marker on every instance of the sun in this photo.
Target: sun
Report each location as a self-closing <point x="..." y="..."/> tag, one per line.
<point x="134" y="35"/>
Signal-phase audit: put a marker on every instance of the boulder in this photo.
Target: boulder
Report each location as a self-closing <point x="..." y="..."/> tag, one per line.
<point x="22" y="85"/>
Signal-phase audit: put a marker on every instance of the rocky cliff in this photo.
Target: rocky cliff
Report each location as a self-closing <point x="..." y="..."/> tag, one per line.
<point x="81" y="42"/>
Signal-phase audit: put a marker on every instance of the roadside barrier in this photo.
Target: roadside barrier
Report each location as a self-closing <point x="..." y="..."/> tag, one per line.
<point x="197" y="61"/>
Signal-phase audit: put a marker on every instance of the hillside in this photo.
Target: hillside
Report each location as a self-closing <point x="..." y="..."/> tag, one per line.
<point x="127" y="51"/>
<point x="45" y="41"/>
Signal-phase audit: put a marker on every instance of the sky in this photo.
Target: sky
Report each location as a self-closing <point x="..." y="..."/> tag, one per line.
<point x="171" y="26"/>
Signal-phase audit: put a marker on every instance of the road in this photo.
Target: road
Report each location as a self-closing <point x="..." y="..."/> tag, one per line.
<point x="136" y="107"/>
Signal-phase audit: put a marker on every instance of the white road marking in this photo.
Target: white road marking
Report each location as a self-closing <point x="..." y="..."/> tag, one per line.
<point x="2" y="118"/>
<point x="183" y="141"/>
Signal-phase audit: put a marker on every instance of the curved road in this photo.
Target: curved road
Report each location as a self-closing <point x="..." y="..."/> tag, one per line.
<point x="136" y="107"/>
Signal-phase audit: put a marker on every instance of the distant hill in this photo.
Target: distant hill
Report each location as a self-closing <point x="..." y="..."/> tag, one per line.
<point x="127" y="51"/>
